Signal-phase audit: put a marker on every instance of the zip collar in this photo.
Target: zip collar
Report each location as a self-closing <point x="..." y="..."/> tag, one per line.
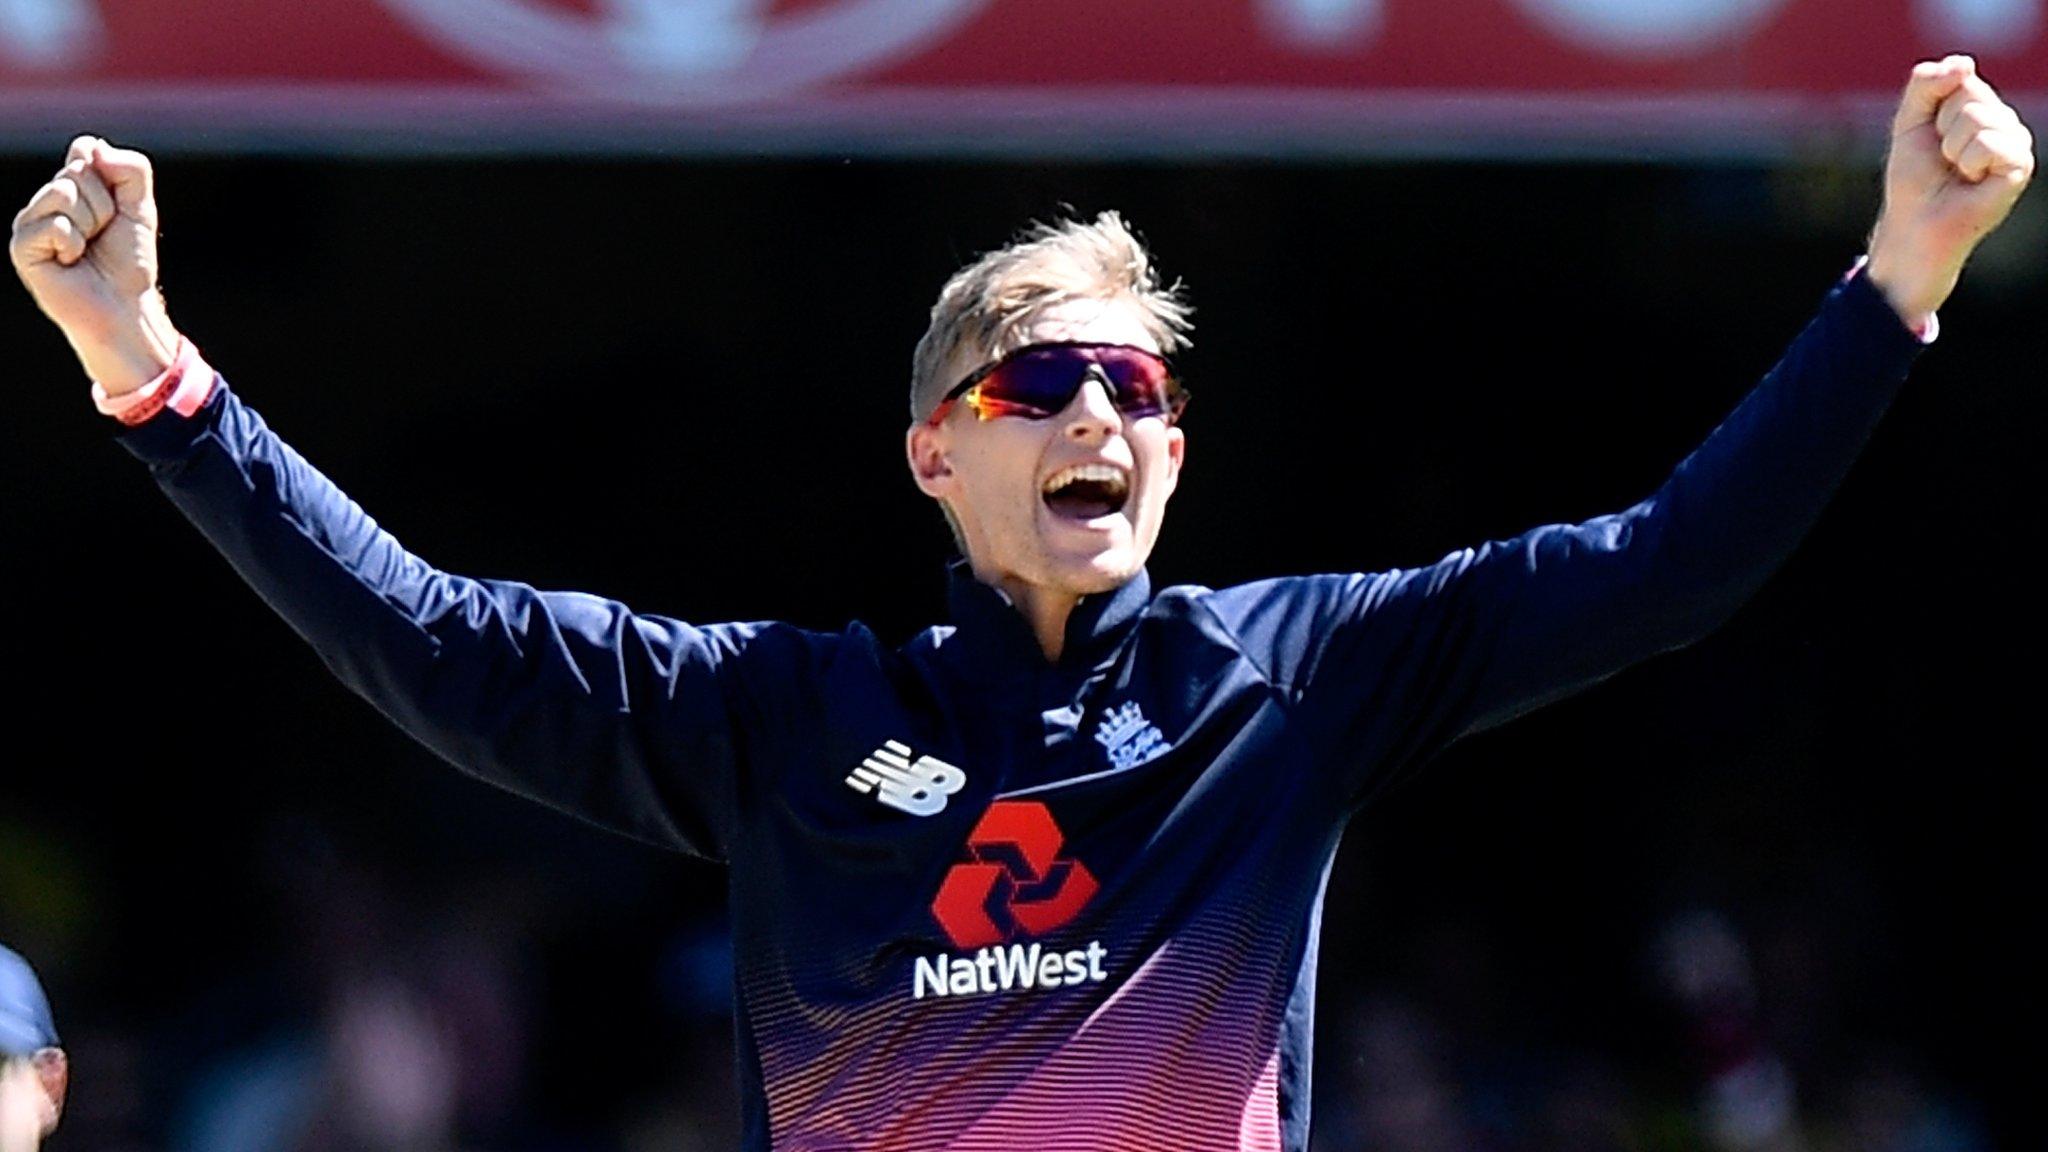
<point x="994" y="641"/>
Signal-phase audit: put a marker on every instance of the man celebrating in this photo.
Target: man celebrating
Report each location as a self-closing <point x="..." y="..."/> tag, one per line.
<point x="1050" y="877"/>
<point x="33" y="1072"/>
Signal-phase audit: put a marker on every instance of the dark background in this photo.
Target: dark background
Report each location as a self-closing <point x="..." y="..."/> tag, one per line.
<point x="683" y="385"/>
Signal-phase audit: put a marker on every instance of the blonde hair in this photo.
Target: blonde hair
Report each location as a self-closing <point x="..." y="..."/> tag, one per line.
<point x="985" y="305"/>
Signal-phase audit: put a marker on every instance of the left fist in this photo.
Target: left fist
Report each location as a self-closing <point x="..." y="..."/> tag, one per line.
<point x="1959" y="159"/>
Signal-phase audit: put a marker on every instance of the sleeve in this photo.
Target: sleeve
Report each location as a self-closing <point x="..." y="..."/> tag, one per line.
<point x="638" y="724"/>
<point x="1390" y="667"/>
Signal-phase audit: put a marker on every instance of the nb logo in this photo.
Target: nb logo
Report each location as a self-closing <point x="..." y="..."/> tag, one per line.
<point x="918" y="787"/>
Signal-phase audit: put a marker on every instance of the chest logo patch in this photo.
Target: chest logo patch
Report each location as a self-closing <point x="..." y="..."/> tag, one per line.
<point x="1017" y="882"/>
<point x="919" y="786"/>
<point x="1015" y="886"/>
<point x="1128" y="738"/>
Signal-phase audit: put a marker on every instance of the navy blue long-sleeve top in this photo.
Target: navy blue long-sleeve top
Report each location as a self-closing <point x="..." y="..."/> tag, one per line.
<point x="986" y="901"/>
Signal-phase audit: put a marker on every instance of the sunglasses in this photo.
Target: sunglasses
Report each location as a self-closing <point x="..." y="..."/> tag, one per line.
<point x="1040" y="380"/>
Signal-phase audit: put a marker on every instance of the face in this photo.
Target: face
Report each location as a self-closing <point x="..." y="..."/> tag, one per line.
<point x="1026" y="529"/>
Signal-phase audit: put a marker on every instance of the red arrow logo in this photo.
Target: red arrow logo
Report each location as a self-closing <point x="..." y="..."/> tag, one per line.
<point x="1016" y="885"/>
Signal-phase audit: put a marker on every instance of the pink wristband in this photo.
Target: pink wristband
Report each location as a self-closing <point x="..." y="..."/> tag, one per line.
<point x="184" y="388"/>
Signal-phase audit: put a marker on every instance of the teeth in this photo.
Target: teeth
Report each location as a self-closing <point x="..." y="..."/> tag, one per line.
<point x="1101" y="473"/>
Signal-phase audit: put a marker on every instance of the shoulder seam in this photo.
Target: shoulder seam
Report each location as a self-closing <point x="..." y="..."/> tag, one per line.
<point x="1237" y="643"/>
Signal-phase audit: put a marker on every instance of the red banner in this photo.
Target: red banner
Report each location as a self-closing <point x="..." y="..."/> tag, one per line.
<point x="1259" y="75"/>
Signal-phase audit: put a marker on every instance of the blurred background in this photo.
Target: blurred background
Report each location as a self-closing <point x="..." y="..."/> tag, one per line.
<point x="619" y="295"/>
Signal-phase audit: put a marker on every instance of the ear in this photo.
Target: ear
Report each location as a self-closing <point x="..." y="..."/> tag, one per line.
<point x="925" y="448"/>
<point x="1176" y="455"/>
<point x="55" y="1073"/>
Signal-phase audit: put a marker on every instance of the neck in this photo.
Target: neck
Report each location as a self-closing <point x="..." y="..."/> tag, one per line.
<point x="1047" y="614"/>
<point x="1044" y="609"/>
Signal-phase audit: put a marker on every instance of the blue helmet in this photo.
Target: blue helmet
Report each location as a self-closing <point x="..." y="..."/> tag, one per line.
<point x="26" y="1026"/>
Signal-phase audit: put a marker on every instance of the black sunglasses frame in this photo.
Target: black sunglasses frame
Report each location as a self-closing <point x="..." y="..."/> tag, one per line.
<point x="1176" y="394"/>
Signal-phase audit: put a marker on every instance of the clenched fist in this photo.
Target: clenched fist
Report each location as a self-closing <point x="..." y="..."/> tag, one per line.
<point x="86" y="248"/>
<point x="1959" y="160"/>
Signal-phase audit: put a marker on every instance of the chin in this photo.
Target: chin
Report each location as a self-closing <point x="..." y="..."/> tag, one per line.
<point x="1101" y="572"/>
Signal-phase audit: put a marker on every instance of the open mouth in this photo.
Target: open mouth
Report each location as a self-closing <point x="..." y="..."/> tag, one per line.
<point x="1086" y="491"/>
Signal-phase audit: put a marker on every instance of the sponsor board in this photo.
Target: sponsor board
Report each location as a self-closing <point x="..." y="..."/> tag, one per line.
<point x="994" y="74"/>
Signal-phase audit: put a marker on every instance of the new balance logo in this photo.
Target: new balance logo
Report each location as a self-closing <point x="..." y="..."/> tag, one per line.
<point x="918" y="787"/>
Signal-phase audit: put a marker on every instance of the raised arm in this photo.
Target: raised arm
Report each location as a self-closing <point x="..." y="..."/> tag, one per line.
<point x="85" y="246"/>
<point x="1399" y="663"/>
<point x="636" y="723"/>
<point x="1959" y="159"/>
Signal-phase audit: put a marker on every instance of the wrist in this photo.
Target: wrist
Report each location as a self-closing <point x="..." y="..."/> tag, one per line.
<point x="1916" y="285"/>
<point x="183" y="388"/>
<point x="127" y="355"/>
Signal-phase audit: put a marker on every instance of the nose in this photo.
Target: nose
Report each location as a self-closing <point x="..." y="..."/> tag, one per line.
<point x="1091" y="416"/>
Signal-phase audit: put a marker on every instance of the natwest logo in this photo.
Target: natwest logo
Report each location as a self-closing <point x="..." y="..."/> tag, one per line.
<point x="1015" y="886"/>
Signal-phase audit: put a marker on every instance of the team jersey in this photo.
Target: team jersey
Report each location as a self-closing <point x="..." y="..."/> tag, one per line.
<point x="983" y="900"/>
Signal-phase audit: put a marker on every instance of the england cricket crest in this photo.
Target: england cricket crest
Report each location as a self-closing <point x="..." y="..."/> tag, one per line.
<point x="1128" y="738"/>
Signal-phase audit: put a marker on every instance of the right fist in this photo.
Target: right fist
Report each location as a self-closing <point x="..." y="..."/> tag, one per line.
<point x="86" y="248"/>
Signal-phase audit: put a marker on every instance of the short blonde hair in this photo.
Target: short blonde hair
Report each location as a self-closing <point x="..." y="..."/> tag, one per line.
<point x="984" y="305"/>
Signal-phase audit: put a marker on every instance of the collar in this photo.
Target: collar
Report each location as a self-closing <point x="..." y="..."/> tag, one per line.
<point x="992" y="637"/>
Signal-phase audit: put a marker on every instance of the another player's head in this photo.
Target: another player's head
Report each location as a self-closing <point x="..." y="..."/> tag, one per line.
<point x="1002" y="458"/>
<point x="33" y="1073"/>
